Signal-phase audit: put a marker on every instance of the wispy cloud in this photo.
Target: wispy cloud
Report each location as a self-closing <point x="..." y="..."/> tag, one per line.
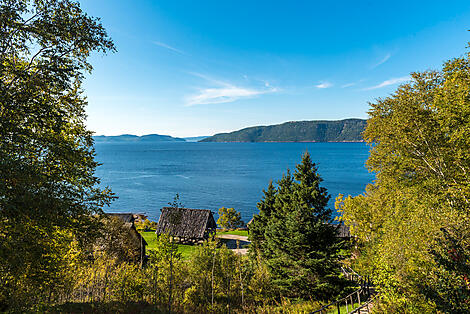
<point x="383" y="60"/>
<point x="160" y="44"/>
<point x="352" y="83"/>
<point x="324" y="85"/>
<point x="225" y="92"/>
<point x="348" y="85"/>
<point x="389" y="82"/>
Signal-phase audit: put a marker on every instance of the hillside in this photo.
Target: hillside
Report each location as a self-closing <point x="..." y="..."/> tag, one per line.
<point x="348" y="130"/>
<point x="135" y="138"/>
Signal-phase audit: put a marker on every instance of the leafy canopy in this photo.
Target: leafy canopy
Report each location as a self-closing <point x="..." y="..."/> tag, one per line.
<point x="229" y="218"/>
<point x="46" y="153"/>
<point x="420" y="140"/>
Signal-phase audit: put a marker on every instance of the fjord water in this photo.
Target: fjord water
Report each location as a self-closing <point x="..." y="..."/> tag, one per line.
<point x="147" y="176"/>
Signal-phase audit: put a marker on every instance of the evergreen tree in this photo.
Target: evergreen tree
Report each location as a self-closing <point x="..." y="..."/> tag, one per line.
<point x="258" y="225"/>
<point x="299" y="245"/>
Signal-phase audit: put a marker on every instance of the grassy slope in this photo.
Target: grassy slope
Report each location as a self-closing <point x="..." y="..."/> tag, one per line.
<point x="185" y="250"/>
<point x="235" y="232"/>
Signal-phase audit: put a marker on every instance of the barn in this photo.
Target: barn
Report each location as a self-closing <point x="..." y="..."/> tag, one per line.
<point x="187" y="224"/>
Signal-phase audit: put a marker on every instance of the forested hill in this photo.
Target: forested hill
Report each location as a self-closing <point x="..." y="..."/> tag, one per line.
<point x="135" y="138"/>
<point x="348" y="130"/>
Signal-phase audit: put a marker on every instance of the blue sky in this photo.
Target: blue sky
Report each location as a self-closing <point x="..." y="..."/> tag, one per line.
<point x="189" y="68"/>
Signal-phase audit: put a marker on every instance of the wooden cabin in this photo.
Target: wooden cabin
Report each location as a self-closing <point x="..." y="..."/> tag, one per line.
<point x="187" y="224"/>
<point x="137" y="240"/>
<point x="343" y="231"/>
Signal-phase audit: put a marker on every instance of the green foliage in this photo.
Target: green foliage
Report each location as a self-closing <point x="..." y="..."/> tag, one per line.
<point x="164" y="263"/>
<point x="48" y="190"/>
<point x="420" y="153"/>
<point x="119" y="241"/>
<point x="292" y="233"/>
<point x="229" y="218"/>
<point x="348" y="130"/>
<point x="451" y="282"/>
<point x="145" y="225"/>
<point x="218" y="278"/>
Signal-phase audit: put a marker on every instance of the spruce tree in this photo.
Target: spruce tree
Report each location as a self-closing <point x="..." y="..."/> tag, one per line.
<point x="257" y="226"/>
<point x="301" y="247"/>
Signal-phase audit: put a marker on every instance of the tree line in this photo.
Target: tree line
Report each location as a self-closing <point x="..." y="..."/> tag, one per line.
<point x="412" y="223"/>
<point x="410" y="226"/>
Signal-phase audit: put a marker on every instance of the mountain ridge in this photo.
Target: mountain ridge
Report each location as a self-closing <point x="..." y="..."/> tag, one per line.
<point x="136" y="138"/>
<point x="345" y="130"/>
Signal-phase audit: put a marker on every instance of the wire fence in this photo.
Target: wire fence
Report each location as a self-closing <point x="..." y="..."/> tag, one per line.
<point x="353" y="302"/>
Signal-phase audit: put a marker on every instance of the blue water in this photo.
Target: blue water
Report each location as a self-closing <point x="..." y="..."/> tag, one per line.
<point x="147" y="176"/>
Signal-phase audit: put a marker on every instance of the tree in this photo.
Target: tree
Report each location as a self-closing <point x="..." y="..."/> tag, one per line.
<point x="229" y="218"/>
<point x="293" y="235"/>
<point x="420" y="138"/>
<point x="258" y="224"/>
<point x="47" y="185"/>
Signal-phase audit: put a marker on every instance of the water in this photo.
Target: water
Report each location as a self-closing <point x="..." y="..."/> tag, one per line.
<point x="147" y="176"/>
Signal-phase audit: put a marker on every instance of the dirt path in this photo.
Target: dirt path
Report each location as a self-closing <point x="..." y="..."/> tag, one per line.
<point x="230" y="241"/>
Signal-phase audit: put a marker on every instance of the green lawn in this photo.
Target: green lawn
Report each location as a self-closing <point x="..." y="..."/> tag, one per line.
<point x="185" y="250"/>
<point x="235" y="232"/>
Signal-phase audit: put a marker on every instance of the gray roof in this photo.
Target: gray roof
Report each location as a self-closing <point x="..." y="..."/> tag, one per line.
<point x="126" y="217"/>
<point x="343" y="231"/>
<point x="185" y="222"/>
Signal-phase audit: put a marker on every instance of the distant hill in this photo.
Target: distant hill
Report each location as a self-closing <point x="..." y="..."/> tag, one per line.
<point x="135" y="138"/>
<point x="195" y="138"/>
<point x="348" y="130"/>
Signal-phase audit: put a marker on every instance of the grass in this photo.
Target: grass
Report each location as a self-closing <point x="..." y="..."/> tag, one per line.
<point x="234" y="232"/>
<point x="186" y="250"/>
<point x="334" y="309"/>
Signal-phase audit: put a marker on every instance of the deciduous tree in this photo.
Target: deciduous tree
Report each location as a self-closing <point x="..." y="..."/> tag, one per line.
<point x="46" y="153"/>
<point x="420" y="140"/>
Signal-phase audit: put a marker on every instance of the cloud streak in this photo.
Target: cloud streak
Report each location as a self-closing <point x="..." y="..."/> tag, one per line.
<point x="225" y="92"/>
<point x="348" y="85"/>
<point x="163" y="45"/>
<point x="383" y="60"/>
<point x="392" y="81"/>
<point x="324" y="85"/>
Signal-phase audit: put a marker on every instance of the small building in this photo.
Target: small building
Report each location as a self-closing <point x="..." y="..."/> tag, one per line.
<point x="187" y="224"/>
<point x="342" y="231"/>
<point x="135" y="238"/>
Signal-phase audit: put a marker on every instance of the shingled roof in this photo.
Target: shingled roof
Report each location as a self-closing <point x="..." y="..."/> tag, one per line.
<point x="186" y="223"/>
<point x="342" y="231"/>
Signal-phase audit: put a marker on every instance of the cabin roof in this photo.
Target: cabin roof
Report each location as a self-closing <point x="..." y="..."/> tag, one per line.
<point x="185" y="222"/>
<point x="343" y="231"/>
<point x="128" y="219"/>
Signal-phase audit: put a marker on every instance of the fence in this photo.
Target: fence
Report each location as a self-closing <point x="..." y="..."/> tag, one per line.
<point x="350" y="300"/>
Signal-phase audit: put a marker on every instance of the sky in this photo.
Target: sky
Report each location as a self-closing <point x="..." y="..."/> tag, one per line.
<point x="196" y="68"/>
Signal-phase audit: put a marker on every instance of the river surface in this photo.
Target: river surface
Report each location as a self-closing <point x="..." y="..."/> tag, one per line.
<point x="147" y="176"/>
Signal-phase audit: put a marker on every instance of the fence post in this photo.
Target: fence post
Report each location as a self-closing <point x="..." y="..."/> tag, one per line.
<point x="358" y="298"/>
<point x="339" y="308"/>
